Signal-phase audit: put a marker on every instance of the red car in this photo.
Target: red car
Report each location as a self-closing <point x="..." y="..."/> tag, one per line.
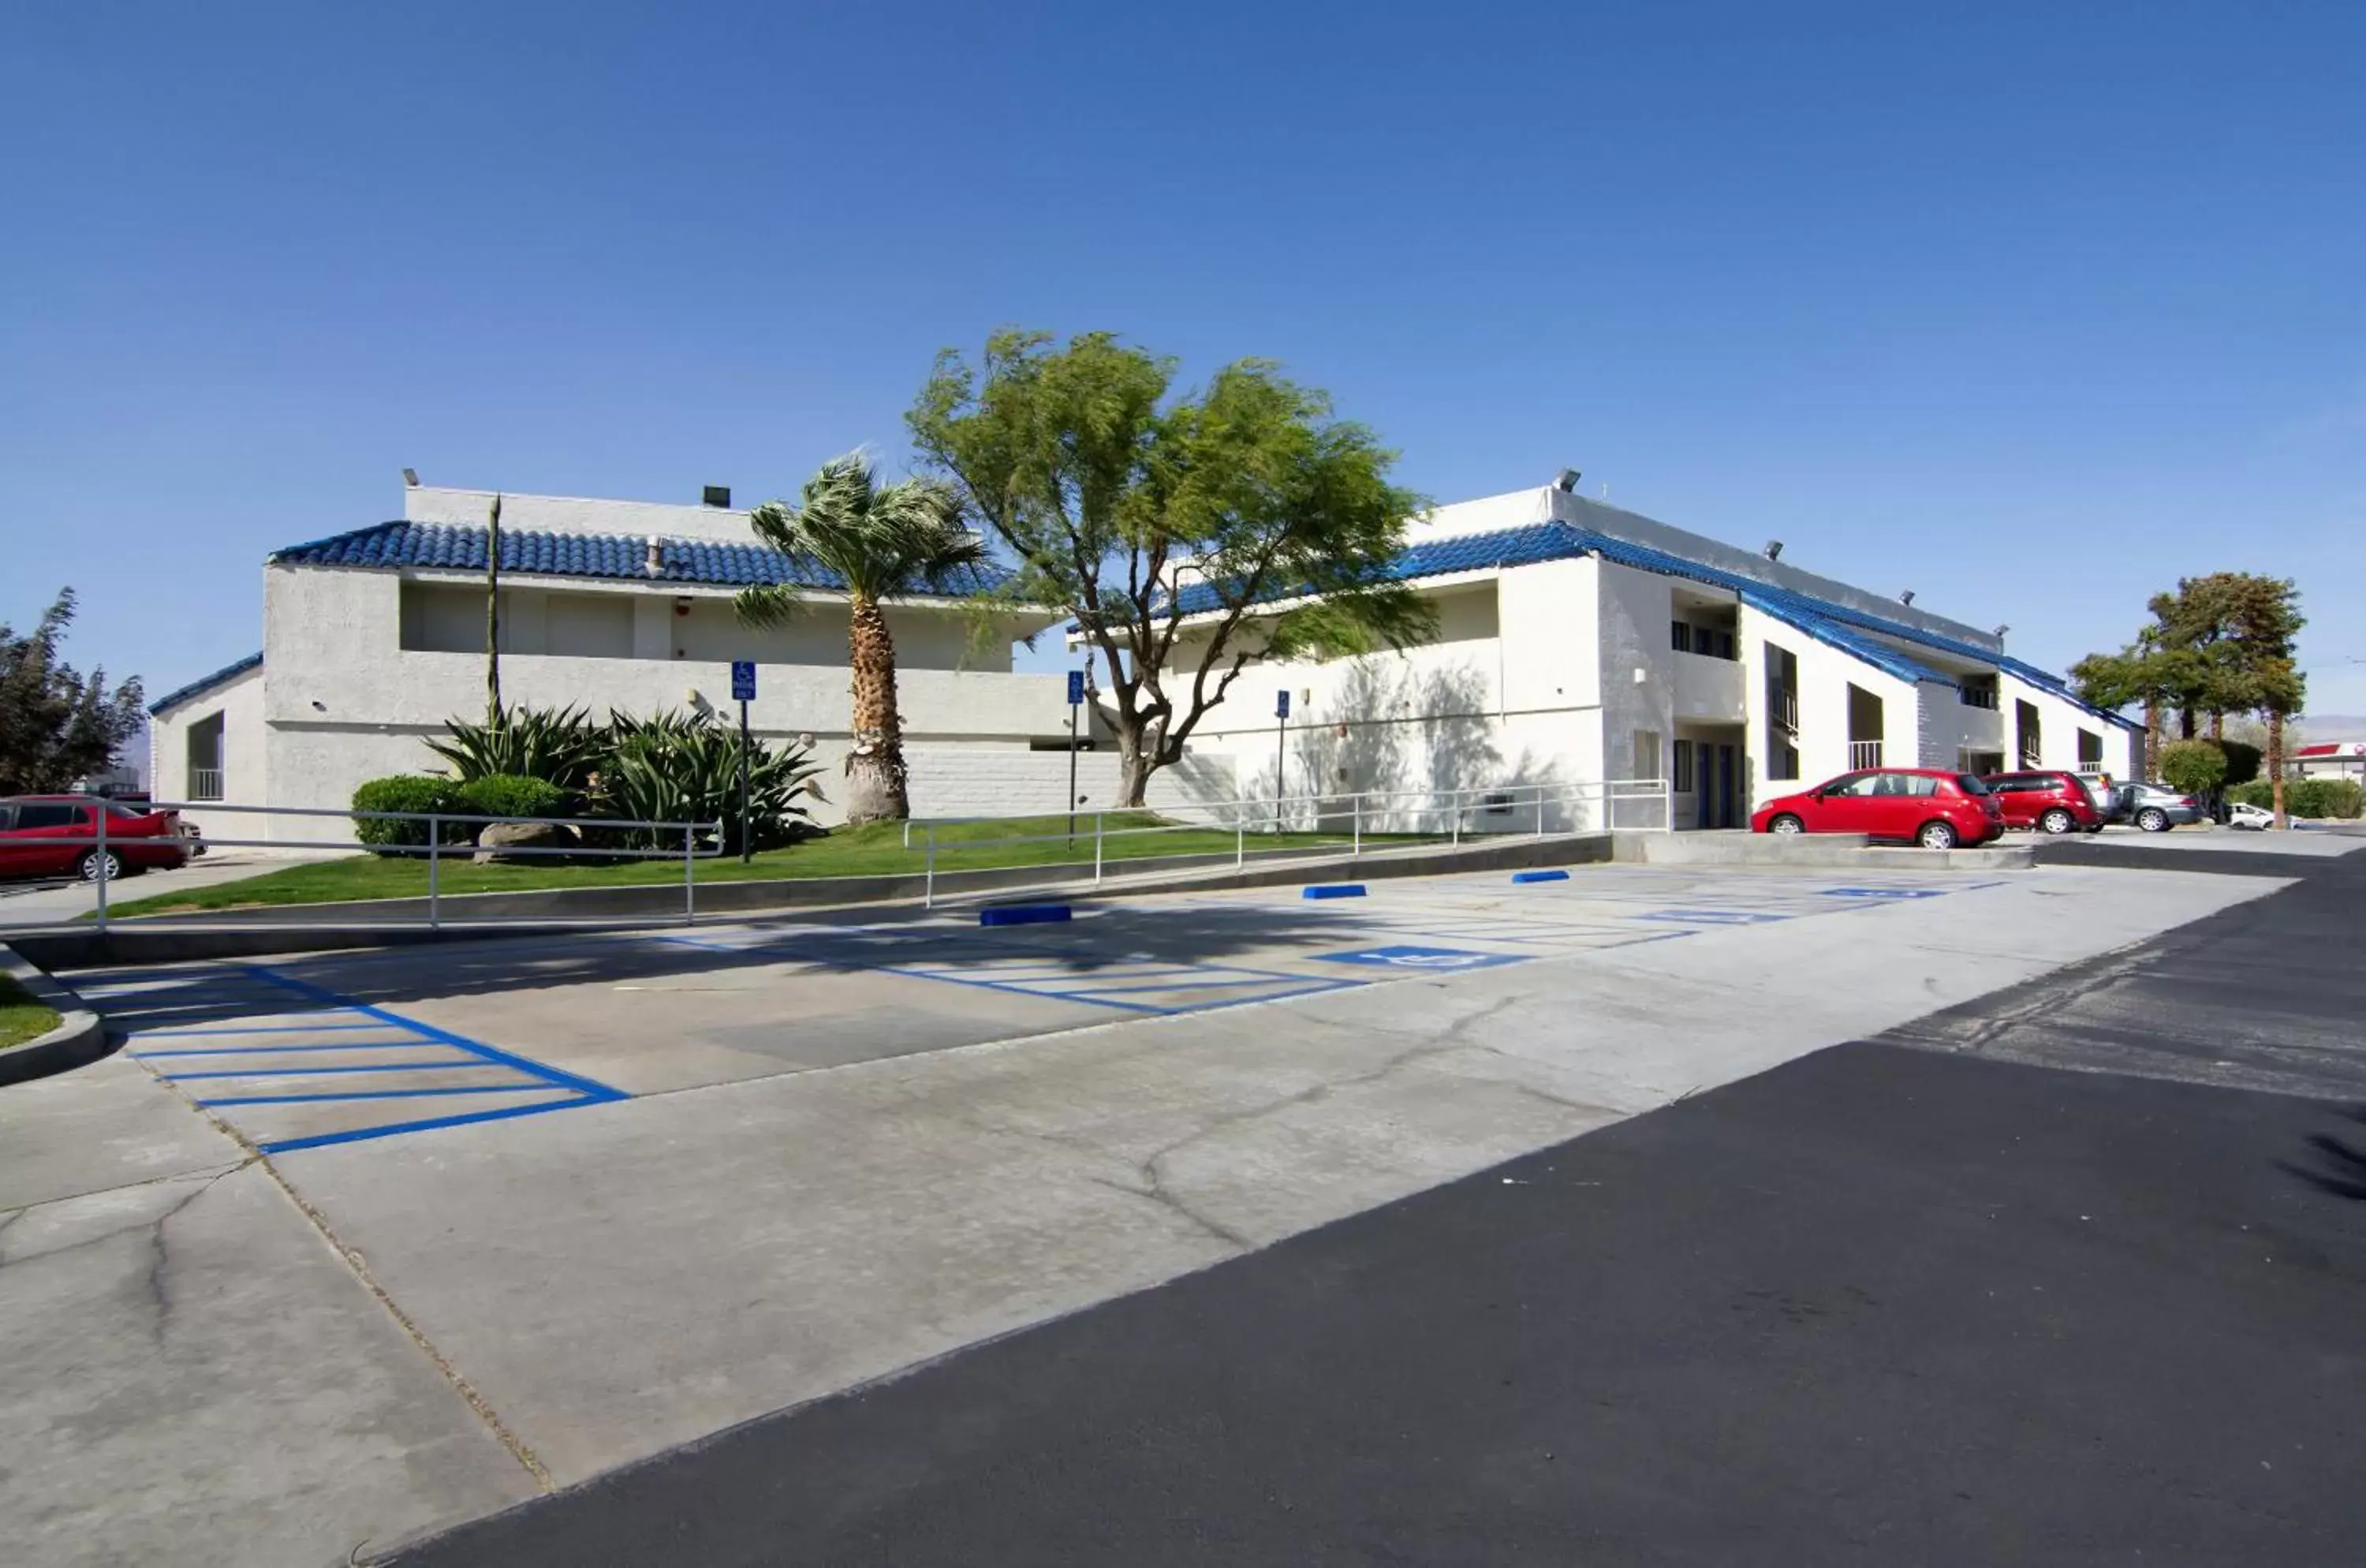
<point x="2050" y="802"/>
<point x="1938" y="810"/>
<point x="57" y="835"/>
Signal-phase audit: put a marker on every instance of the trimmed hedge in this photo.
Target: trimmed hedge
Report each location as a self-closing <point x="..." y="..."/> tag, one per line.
<point x="509" y="794"/>
<point x="2304" y="797"/>
<point x="402" y="792"/>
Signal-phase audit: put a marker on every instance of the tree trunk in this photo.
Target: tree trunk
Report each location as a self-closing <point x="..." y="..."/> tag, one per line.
<point x="2276" y="764"/>
<point x="2150" y="767"/>
<point x="2218" y="729"/>
<point x="874" y="768"/>
<point x="1134" y="770"/>
<point x="2185" y="724"/>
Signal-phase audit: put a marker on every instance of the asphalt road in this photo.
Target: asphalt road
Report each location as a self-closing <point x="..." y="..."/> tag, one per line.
<point x="2047" y="1279"/>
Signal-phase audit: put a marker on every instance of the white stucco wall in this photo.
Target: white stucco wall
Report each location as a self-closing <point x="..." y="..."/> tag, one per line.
<point x="1825" y="675"/>
<point x="2058" y="724"/>
<point x="344" y="701"/>
<point x="245" y="762"/>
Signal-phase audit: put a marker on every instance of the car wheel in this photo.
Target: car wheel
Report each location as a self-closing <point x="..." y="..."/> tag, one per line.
<point x="1936" y="836"/>
<point x="2153" y="819"/>
<point x="1790" y="827"/>
<point x="88" y="867"/>
<point x="2058" y="821"/>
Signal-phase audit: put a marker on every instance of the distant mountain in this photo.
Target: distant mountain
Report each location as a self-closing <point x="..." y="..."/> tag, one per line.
<point x="2333" y="726"/>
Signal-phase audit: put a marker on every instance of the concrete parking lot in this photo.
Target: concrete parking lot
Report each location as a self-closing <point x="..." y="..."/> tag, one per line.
<point x="343" y="1248"/>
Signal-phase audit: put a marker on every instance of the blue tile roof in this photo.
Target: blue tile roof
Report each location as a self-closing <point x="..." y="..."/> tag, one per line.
<point x="1853" y="631"/>
<point x="616" y="556"/>
<point x="199" y="687"/>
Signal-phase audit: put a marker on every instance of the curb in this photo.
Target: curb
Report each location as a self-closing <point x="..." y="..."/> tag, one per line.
<point x="79" y="1037"/>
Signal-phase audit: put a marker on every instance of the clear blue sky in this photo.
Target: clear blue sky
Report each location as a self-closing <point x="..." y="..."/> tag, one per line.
<point x="2029" y="307"/>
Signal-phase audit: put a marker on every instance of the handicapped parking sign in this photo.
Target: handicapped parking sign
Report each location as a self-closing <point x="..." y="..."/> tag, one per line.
<point x="743" y="680"/>
<point x="1437" y="960"/>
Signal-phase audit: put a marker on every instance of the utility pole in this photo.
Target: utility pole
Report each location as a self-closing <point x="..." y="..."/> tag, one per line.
<point x="493" y="615"/>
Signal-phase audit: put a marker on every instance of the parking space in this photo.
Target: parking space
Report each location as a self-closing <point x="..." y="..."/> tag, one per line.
<point x="354" y="1047"/>
<point x="292" y="1066"/>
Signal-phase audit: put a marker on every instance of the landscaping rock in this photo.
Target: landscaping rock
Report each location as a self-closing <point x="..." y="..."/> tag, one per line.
<point x="503" y="836"/>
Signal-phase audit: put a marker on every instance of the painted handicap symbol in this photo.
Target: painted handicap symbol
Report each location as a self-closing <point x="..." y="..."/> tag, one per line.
<point x="1407" y="956"/>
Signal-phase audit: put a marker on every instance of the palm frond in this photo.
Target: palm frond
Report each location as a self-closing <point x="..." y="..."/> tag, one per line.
<point x="767" y="604"/>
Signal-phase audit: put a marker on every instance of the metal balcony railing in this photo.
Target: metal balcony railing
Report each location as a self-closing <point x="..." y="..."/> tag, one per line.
<point x="205" y="784"/>
<point x="1864" y="753"/>
<point x="1977" y="698"/>
<point x="1782" y="704"/>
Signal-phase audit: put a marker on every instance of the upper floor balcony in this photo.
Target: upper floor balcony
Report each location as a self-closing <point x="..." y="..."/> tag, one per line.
<point x="1709" y="690"/>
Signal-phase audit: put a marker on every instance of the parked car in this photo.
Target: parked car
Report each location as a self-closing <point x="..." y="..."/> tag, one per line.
<point x="1938" y="810"/>
<point x="57" y="835"/>
<point x="2052" y="803"/>
<point x="2109" y="795"/>
<point x="2156" y="807"/>
<point x="2242" y="814"/>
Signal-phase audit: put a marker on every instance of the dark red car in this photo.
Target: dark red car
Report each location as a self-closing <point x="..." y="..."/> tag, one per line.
<point x="57" y="835"/>
<point x="1936" y="809"/>
<point x="2048" y="801"/>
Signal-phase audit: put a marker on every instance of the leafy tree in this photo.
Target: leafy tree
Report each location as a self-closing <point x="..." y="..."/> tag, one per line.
<point x="2259" y="674"/>
<point x="2196" y="767"/>
<point x="56" y="725"/>
<point x="2242" y="762"/>
<point x="883" y="542"/>
<point x="1187" y="536"/>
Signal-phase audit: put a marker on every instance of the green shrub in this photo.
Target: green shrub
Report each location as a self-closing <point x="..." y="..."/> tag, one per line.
<point x="403" y="792"/>
<point x="2195" y="767"/>
<point x="2306" y="798"/>
<point x="2242" y="762"/>
<point x="508" y="794"/>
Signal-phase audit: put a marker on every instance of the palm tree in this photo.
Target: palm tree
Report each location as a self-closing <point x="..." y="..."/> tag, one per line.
<point x="879" y="542"/>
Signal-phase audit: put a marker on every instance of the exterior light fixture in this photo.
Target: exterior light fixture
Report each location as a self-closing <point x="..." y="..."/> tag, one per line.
<point x="1774" y="550"/>
<point x="1566" y="481"/>
<point x="410" y="479"/>
<point x="1907" y="597"/>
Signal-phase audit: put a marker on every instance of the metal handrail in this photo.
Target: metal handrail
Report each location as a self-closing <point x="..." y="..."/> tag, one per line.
<point x="690" y="854"/>
<point x="1270" y="812"/>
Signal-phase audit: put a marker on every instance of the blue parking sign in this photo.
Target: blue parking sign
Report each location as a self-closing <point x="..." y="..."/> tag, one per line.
<point x="1076" y="687"/>
<point x="743" y="680"/>
<point x="1282" y="705"/>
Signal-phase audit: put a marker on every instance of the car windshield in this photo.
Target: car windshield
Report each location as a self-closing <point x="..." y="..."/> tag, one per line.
<point x="1970" y="784"/>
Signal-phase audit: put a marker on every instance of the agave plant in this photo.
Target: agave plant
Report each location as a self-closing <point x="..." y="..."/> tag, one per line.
<point x="677" y="767"/>
<point x="559" y="746"/>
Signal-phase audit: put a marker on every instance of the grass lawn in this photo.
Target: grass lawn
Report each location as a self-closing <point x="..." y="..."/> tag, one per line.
<point x="872" y="850"/>
<point x="22" y="1018"/>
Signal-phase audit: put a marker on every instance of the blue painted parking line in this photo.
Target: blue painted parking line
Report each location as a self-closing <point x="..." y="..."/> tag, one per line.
<point x="1882" y="892"/>
<point x="462" y="1063"/>
<point x="257" y="1028"/>
<point x="275" y="1051"/>
<point x="1715" y="917"/>
<point x="373" y="1094"/>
